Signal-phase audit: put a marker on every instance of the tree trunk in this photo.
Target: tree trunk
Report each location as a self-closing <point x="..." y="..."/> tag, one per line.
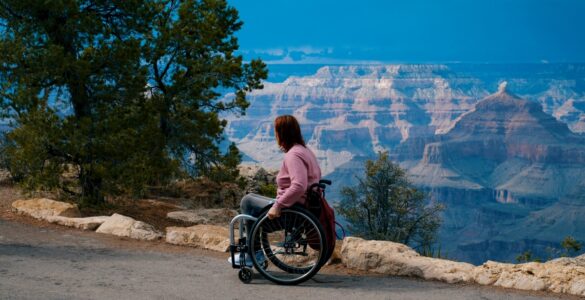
<point x="91" y="188"/>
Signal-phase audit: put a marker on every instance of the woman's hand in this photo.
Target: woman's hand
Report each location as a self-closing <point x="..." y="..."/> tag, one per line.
<point x="273" y="212"/>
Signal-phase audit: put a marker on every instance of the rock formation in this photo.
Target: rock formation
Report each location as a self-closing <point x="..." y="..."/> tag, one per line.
<point x="127" y="227"/>
<point x="496" y="170"/>
<point x="498" y="167"/>
<point x="209" y="237"/>
<point x="397" y="259"/>
<point x="89" y="223"/>
<point x="204" y="216"/>
<point x="348" y="111"/>
<point x="563" y="275"/>
<point x="41" y="208"/>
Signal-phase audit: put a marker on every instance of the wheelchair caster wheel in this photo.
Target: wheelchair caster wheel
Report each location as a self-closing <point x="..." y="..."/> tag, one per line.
<point x="245" y="275"/>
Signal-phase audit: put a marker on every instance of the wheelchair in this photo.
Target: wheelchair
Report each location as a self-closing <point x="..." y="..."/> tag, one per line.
<point x="287" y="250"/>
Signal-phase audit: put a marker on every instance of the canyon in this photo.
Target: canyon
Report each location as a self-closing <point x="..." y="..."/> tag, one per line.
<point x="502" y="146"/>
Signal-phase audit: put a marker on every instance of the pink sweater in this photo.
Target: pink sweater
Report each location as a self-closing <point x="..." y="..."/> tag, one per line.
<point x="299" y="170"/>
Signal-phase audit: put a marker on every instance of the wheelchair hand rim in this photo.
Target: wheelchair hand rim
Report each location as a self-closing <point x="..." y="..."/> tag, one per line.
<point x="306" y="272"/>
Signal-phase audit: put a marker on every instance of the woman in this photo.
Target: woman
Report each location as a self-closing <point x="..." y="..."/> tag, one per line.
<point x="298" y="171"/>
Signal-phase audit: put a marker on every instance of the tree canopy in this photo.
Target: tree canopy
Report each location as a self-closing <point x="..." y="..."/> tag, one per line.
<point x="385" y="206"/>
<point x="119" y="93"/>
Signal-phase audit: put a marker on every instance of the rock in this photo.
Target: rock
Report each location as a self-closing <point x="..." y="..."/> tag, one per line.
<point x="336" y="256"/>
<point x="89" y="223"/>
<point x="391" y="258"/>
<point x="41" y="208"/>
<point x="127" y="227"/>
<point x="204" y="216"/>
<point x="564" y="275"/>
<point x="201" y="236"/>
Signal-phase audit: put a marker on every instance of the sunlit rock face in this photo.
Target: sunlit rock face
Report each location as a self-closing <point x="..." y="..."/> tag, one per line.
<point x="498" y="170"/>
<point x="349" y="111"/>
<point x="496" y="154"/>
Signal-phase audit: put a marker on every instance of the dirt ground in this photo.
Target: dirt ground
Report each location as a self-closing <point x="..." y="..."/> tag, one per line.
<point x="150" y="211"/>
<point x="155" y="212"/>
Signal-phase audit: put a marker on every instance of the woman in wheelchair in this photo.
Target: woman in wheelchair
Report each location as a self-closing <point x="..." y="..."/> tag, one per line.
<point x="287" y="241"/>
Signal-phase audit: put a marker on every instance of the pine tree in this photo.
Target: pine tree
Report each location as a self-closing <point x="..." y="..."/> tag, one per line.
<point x="120" y="93"/>
<point x="385" y="206"/>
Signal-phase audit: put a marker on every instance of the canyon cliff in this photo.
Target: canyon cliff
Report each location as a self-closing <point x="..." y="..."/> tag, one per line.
<point x="499" y="162"/>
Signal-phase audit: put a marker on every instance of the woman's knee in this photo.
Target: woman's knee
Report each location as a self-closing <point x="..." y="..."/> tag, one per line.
<point x="246" y="202"/>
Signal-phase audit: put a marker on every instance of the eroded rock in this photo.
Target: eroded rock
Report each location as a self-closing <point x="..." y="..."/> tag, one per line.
<point x="391" y="258"/>
<point x="563" y="275"/>
<point x="89" y="223"/>
<point x="127" y="227"/>
<point x="201" y="236"/>
<point x="204" y="216"/>
<point x="41" y="208"/>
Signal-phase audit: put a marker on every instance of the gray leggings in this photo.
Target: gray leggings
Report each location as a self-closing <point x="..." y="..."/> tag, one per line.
<point x="253" y="204"/>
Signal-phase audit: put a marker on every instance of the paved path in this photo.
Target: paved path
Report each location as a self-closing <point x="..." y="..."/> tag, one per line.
<point x="53" y="263"/>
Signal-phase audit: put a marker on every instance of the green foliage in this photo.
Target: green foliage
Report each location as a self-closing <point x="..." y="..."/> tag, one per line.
<point x="268" y="190"/>
<point x="570" y="246"/>
<point x="121" y="93"/>
<point x="527" y="256"/>
<point x="430" y="251"/>
<point x="385" y="206"/>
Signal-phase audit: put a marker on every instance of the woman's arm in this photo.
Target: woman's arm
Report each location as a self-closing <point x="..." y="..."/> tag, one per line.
<point x="297" y="170"/>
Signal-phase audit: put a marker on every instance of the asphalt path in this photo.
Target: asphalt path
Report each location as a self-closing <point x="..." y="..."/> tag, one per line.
<point x="54" y="263"/>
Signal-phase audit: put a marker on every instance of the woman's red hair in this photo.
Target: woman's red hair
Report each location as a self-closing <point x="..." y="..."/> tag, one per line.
<point x="288" y="132"/>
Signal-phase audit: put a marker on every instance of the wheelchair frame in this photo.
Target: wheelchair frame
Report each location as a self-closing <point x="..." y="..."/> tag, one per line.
<point x="242" y="246"/>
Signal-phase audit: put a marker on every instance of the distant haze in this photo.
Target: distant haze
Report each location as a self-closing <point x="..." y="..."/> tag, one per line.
<point x="348" y="31"/>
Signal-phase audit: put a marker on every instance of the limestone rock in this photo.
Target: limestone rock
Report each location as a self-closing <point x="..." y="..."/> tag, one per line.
<point x="127" y="227"/>
<point x="201" y="236"/>
<point x="204" y="216"/>
<point x="563" y="275"/>
<point x="89" y="223"/>
<point x="391" y="258"/>
<point x="336" y="256"/>
<point x="41" y="208"/>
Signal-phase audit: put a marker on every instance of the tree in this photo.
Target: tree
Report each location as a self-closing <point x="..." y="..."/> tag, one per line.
<point x="121" y="93"/>
<point x="527" y="256"/>
<point x="385" y="206"/>
<point x="570" y="246"/>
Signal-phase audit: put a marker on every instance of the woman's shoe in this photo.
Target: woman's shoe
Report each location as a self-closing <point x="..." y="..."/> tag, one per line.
<point x="260" y="258"/>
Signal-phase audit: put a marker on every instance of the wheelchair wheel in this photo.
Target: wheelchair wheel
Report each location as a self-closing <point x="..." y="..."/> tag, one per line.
<point x="293" y="246"/>
<point x="245" y="275"/>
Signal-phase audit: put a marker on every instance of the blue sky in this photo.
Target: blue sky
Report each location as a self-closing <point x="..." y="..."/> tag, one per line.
<point x="343" y="31"/>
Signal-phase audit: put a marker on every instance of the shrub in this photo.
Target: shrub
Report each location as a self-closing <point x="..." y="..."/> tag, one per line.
<point x="385" y="206"/>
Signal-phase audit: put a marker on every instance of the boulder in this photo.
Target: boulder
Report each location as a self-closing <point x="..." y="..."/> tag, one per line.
<point x="89" y="223"/>
<point x="127" y="227"/>
<point x="41" y="208"/>
<point x="563" y="275"/>
<point x="391" y="258"/>
<point x="336" y="255"/>
<point x="201" y="236"/>
<point x="204" y="216"/>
